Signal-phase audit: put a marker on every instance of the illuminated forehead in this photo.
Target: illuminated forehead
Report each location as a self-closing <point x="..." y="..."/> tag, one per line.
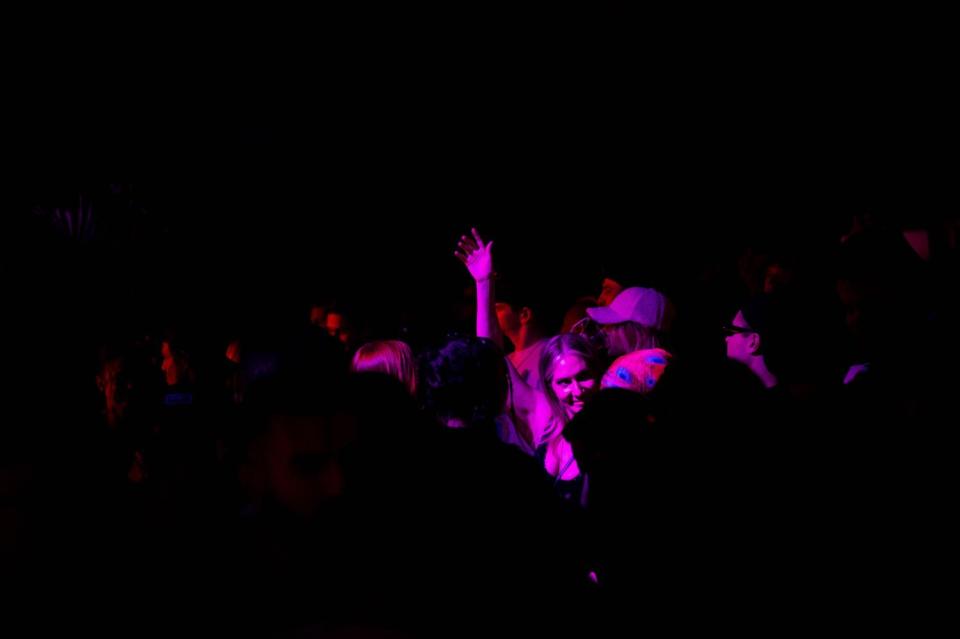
<point x="568" y="365"/>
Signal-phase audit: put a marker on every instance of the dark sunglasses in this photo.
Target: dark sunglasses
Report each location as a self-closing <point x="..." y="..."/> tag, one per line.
<point x="733" y="330"/>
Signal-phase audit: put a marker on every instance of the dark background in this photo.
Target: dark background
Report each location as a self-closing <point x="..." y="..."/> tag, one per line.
<point x="278" y="158"/>
<point x="281" y="158"/>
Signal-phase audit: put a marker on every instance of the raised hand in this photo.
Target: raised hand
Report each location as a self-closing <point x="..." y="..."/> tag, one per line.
<point x="476" y="255"/>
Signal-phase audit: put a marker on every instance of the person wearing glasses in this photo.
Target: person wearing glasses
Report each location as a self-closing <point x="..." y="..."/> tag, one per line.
<point x="637" y="319"/>
<point x="745" y="339"/>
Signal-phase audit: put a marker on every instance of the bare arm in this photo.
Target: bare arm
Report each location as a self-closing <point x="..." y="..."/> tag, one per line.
<point x="527" y="403"/>
<point x="477" y="256"/>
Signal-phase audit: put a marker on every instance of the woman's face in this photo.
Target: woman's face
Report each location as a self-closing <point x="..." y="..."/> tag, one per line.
<point x="572" y="382"/>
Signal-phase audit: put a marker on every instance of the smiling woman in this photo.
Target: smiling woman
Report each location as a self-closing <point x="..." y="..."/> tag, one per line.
<point x="570" y="370"/>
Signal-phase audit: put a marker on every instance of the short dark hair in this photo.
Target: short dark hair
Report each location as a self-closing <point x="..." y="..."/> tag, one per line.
<point x="465" y="379"/>
<point x="520" y="292"/>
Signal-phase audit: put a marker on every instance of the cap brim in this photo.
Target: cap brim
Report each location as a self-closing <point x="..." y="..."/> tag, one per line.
<point x="604" y="315"/>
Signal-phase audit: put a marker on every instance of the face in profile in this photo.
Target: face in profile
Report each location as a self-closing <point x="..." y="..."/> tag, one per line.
<point x="740" y="340"/>
<point x="508" y="319"/>
<point x="608" y="291"/>
<point x="115" y="385"/>
<point x="338" y="327"/>
<point x="168" y="364"/>
<point x="175" y="365"/>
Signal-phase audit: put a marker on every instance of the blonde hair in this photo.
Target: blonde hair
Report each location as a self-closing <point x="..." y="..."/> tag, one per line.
<point x="627" y="337"/>
<point x="391" y="357"/>
<point x="563" y="344"/>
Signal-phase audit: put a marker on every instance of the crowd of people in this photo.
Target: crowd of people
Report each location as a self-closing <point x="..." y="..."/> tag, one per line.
<point x="546" y="461"/>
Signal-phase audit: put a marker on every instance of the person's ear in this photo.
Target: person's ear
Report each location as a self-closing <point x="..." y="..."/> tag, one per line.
<point x="753" y="343"/>
<point x="526" y="314"/>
